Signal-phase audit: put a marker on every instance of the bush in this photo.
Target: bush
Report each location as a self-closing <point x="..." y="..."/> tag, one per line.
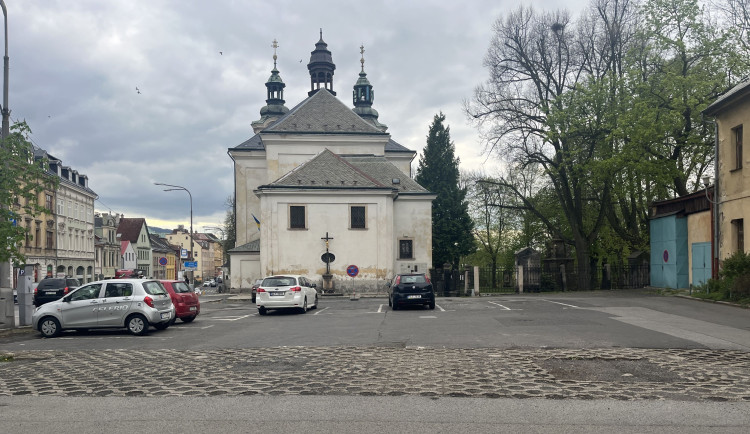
<point x="733" y="283"/>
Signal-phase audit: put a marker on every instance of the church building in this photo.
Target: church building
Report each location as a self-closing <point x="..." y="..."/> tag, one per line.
<point x="322" y="190"/>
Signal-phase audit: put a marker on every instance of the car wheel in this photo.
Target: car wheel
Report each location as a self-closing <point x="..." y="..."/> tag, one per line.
<point x="49" y="327"/>
<point x="316" y="302"/>
<point x="162" y="325"/>
<point x="432" y="305"/>
<point x="389" y="302"/>
<point x="303" y="309"/>
<point x="394" y="307"/>
<point x="187" y="318"/>
<point x="262" y="310"/>
<point x="137" y="325"/>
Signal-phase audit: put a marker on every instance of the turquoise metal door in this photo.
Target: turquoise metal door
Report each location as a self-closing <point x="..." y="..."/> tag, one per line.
<point x="701" y="253"/>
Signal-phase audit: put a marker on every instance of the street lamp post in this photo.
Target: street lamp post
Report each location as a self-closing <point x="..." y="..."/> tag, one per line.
<point x="179" y="187"/>
<point x="6" y="270"/>
<point x="6" y="110"/>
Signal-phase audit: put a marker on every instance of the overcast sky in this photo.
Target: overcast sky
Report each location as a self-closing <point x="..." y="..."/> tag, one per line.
<point x="201" y="69"/>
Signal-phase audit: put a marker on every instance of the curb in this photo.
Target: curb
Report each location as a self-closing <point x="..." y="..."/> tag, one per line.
<point x="727" y="303"/>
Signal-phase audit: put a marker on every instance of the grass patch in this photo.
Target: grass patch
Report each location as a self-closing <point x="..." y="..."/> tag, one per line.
<point x="6" y="358"/>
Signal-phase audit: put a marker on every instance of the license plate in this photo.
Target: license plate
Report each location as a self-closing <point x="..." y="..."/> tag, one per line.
<point x="192" y="308"/>
<point x="276" y="293"/>
<point x="414" y="296"/>
<point x="165" y="315"/>
<point x="50" y="292"/>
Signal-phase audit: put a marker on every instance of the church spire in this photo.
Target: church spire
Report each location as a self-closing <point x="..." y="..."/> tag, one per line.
<point x="321" y="67"/>
<point x="275" y="107"/>
<point x="364" y="96"/>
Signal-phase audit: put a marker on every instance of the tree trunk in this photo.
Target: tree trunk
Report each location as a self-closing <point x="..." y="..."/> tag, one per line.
<point x="583" y="278"/>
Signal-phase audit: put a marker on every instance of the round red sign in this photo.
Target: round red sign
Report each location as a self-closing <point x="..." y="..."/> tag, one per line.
<point x="666" y="256"/>
<point x="352" y="270"/>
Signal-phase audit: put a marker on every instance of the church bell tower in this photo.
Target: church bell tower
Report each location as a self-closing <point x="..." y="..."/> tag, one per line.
<point x="321" y="67"/>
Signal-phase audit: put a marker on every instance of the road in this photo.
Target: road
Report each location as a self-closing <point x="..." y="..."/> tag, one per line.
<point x="625" y="353"/>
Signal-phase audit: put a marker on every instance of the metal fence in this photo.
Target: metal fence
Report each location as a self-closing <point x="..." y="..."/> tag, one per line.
<point x="537" y="279"/>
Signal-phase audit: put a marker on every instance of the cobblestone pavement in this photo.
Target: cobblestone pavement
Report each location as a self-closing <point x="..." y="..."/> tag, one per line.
<point x="624" y="374"/>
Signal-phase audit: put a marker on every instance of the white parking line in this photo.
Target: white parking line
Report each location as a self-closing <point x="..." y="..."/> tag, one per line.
<point x="569" y="305"/>
<point x="441" y="309"/>
<point x="232" y="318"/>
<point x="112" y="337"/>
<point x="207" y="327"/>
<point x="498" y="304"/>
<point x="427" y="317"/>
<point x="321" y="310"/>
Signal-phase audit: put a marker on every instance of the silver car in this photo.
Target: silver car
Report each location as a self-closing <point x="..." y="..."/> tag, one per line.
<point x="131" y="303"/>
<point x="286" y="292"/>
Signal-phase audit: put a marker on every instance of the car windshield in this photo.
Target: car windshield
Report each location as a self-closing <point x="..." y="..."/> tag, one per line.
<point x="413" y="279"/>
<point x="278" y="281"/>
<point x="51" y="283"/>
<point x="181" y="287"/>
<point x="154" y="288"/>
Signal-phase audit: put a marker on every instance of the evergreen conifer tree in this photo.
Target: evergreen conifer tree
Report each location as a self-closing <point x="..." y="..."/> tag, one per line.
<point x="438" y="172"/>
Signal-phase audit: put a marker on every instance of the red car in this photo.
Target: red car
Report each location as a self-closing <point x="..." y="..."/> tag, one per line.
<point x="184" y="299"/>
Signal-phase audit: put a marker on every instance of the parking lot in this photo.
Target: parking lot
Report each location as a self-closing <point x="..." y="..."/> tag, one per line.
<point x="607" y="319"/>
<point x="609" y="345"/>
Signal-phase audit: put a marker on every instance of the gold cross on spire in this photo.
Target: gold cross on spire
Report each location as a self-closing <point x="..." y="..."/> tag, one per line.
<point x="275" y="45"/>
<point x="362" y="60"/>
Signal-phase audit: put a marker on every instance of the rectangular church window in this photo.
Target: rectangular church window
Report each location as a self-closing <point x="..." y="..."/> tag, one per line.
<point x="405" y="249"/>
<point x="297" y="217"/>
<point x="358" y="217"/>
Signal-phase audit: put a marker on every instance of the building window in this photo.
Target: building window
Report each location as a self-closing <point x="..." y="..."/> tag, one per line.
<point x="48" y="201"/>
<point x="50" y="240"/>
<point x="738" y="229"/>
<point x="405" y="249"/>
<point x="357" y="217"/>
<point x="737" y="133"/>
<point x="297" y="217"/>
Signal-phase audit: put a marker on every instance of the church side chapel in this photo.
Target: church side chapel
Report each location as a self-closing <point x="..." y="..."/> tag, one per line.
<point x="322" y="190"/>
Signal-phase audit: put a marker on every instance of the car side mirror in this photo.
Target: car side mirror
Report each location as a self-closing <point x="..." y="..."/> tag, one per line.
<point x="314" y="285"/>
<point x="66" y="299"/>
<point x="388" y="284"/>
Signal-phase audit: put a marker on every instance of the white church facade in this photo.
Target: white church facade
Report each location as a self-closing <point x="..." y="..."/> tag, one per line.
<point x="323" y="191"/>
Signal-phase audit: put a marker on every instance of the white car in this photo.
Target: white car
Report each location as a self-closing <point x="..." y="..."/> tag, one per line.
<point x="134" y="304"/>
<point x="286" y="292"/>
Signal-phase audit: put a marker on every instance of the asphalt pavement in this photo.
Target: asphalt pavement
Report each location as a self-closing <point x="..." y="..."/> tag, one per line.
<point x="624" y="362"/>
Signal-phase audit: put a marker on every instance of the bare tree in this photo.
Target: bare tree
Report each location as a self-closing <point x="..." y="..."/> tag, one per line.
<point x="547" y="104"/>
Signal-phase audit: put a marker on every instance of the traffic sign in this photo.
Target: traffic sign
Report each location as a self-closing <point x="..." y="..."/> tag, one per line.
<point x="191" y="264"/>
<point x="352" y="270"/>
<point x="162" y="261"/>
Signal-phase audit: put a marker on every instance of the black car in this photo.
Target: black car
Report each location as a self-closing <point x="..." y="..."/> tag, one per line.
<point x="411" y="289"/>
<point x="53" y="288"/>
<point x="254" y="289"/>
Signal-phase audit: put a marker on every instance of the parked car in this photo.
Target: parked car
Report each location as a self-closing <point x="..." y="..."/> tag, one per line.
<point x="255" y="289"/>
<point x="206" y="283"/>
<point x="185" y="300"/>
<point x="53" y="288"/>
<point x="212" y="283"/>
<point x="411" y="289"/>
<point x="286" y="292"/>
<point x="131" y="303"/>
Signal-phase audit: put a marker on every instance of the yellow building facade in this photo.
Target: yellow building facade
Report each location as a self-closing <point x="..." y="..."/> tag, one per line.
<point x="731" y="113"/>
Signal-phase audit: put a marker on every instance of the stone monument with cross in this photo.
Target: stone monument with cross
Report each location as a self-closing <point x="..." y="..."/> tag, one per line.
<point x="327" y="257"/>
